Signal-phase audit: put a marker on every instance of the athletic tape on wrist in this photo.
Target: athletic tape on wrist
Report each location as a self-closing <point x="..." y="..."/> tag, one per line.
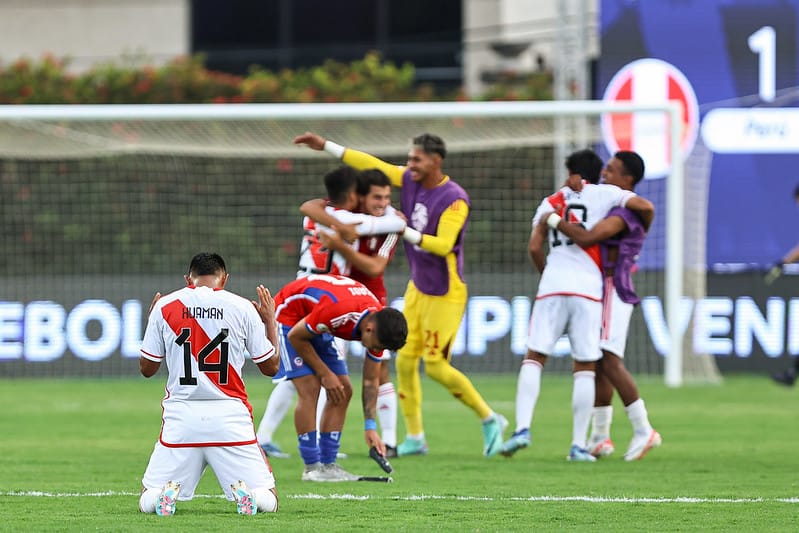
<point x="335" y="149"/>
<point x="553" y="220"/>
<point x="369" y="423"/>
<point x="412" y="236"/>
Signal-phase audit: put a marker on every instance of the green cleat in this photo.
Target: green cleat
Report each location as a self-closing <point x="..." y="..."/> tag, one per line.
<point x="412" y="446"/>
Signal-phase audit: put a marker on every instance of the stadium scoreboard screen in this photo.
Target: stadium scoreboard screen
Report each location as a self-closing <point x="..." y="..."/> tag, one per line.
<point x="740" y="61"/>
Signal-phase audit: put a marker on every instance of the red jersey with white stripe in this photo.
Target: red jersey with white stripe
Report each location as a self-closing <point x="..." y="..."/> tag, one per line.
<point x="205" y="336"/>
<point x="329" y="304"/>
<point x="572" y="270"/>
<point x="376" y="246"/>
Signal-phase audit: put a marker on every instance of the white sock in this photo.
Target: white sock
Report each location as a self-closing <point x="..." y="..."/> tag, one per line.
<point x="148" y="500"/>
<point x="528" y="387"/>
<point x="387" y="413"/>
<point x="583" y="394"/>
<point x="639" y="418"/>
<point x="277" y="406"/>
<point x="600" y="423"/>
<point x="265" y="500"/>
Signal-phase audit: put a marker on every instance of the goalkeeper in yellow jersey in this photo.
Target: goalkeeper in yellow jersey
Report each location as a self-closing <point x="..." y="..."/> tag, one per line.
<point x="437" y="210"/>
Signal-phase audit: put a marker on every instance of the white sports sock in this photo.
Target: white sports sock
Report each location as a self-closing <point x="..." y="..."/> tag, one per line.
<point x="639" y="418"/>
<point x="277" y="406"/>
<point x="148" y="500"/>
<point x="387" y="413"/>
<point x="583" y="394"/>
<point x="266" y="500"/>
<point x="528" y="387"/>
<point x="600" y="423"/>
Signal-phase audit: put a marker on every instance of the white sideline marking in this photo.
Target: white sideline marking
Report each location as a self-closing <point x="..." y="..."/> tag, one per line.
<point x="311" y="496"/>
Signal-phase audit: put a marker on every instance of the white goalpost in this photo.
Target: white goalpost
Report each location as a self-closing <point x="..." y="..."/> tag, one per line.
<point x="503" y="154"/>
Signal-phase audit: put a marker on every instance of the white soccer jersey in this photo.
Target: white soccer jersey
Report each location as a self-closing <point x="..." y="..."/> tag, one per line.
<point x="570" y="269"/>
<point x="316" y="259"/>
<point x="205" y="335"/>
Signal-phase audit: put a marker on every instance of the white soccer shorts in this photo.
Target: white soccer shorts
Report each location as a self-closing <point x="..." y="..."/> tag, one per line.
<point x="616" y="316"/>
<point x="578" y="317"/>
<point x="229" y="463"/>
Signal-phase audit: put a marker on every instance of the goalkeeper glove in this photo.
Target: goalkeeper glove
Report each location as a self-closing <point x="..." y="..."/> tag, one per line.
<point x="773" y="273"/>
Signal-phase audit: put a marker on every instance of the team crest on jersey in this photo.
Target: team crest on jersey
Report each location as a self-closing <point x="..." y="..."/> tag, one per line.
<point x="298" y="361"/>
<point x="419" y="217"/>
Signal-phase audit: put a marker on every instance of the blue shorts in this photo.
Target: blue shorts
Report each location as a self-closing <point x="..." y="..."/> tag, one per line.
<point x="291" y="364"/>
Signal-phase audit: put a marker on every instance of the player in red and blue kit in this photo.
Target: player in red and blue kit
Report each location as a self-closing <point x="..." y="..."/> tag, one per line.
<point x="309" y="311"/>
<point x="620" y="236"/>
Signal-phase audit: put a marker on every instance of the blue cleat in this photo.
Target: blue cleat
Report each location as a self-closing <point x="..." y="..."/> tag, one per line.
<point x="580" y="455"/>
<point x="412" y="446"/>
<point x="271" y="449"/>
<point x="492" y="435"/>
<point x="517" y="441"/>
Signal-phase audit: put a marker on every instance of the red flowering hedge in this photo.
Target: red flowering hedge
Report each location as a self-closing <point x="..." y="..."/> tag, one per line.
<point x="186" y="80"/>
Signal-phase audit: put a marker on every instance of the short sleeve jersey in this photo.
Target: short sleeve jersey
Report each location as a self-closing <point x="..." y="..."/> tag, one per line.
<point x="376" y="246"/>
<point x="205" y="336"/>
<point x="572" y="270"/>
<point x="329" y="304"/>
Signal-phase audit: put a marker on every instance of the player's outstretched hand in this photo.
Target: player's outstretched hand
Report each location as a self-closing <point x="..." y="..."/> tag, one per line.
<point x="265" y="304"/>
<point x="311" y="140"/>
<point x="773" y="273"/>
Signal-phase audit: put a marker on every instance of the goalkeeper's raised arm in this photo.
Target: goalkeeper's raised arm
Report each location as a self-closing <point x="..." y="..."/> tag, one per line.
<point x="354" y="158"/>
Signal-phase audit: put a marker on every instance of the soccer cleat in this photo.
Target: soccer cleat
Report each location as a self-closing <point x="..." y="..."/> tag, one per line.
<point x="313" y="472"/>
<point x="333" y="472"/>
<point x="641" y="444"/>
<point x="412" y="446"/>
<point x="600" y="448"/>
<point x="271" y="449"/>
<point x="517" y="441"/>
<point x="786" y="378"/>
<point x="580" y="455"/>
<point x="165" y="506"/>
<point x="492" y="435"/>
<point x="391" y="451"/>
<point x="245" y="501"/>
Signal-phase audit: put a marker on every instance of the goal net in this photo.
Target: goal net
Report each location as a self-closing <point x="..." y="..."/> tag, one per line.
<point x="105" y="205"/>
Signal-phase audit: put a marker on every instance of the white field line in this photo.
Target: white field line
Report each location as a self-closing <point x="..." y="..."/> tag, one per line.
<point x="422" y="497"/>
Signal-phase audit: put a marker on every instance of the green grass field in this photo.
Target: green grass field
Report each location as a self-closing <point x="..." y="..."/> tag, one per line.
<point x="72" y="453"/>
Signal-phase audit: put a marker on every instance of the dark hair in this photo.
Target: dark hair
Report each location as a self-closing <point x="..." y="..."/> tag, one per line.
<point x="339" y="183"/>
<point x="586" y="163"/>
<point x="796" y="192"/>
<point x="392" y="328"/>
<point x="206" y="264"/>
<point x="371" y="177"/>
<point x="431" y="144"/>
<point x="633" y="164"/>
